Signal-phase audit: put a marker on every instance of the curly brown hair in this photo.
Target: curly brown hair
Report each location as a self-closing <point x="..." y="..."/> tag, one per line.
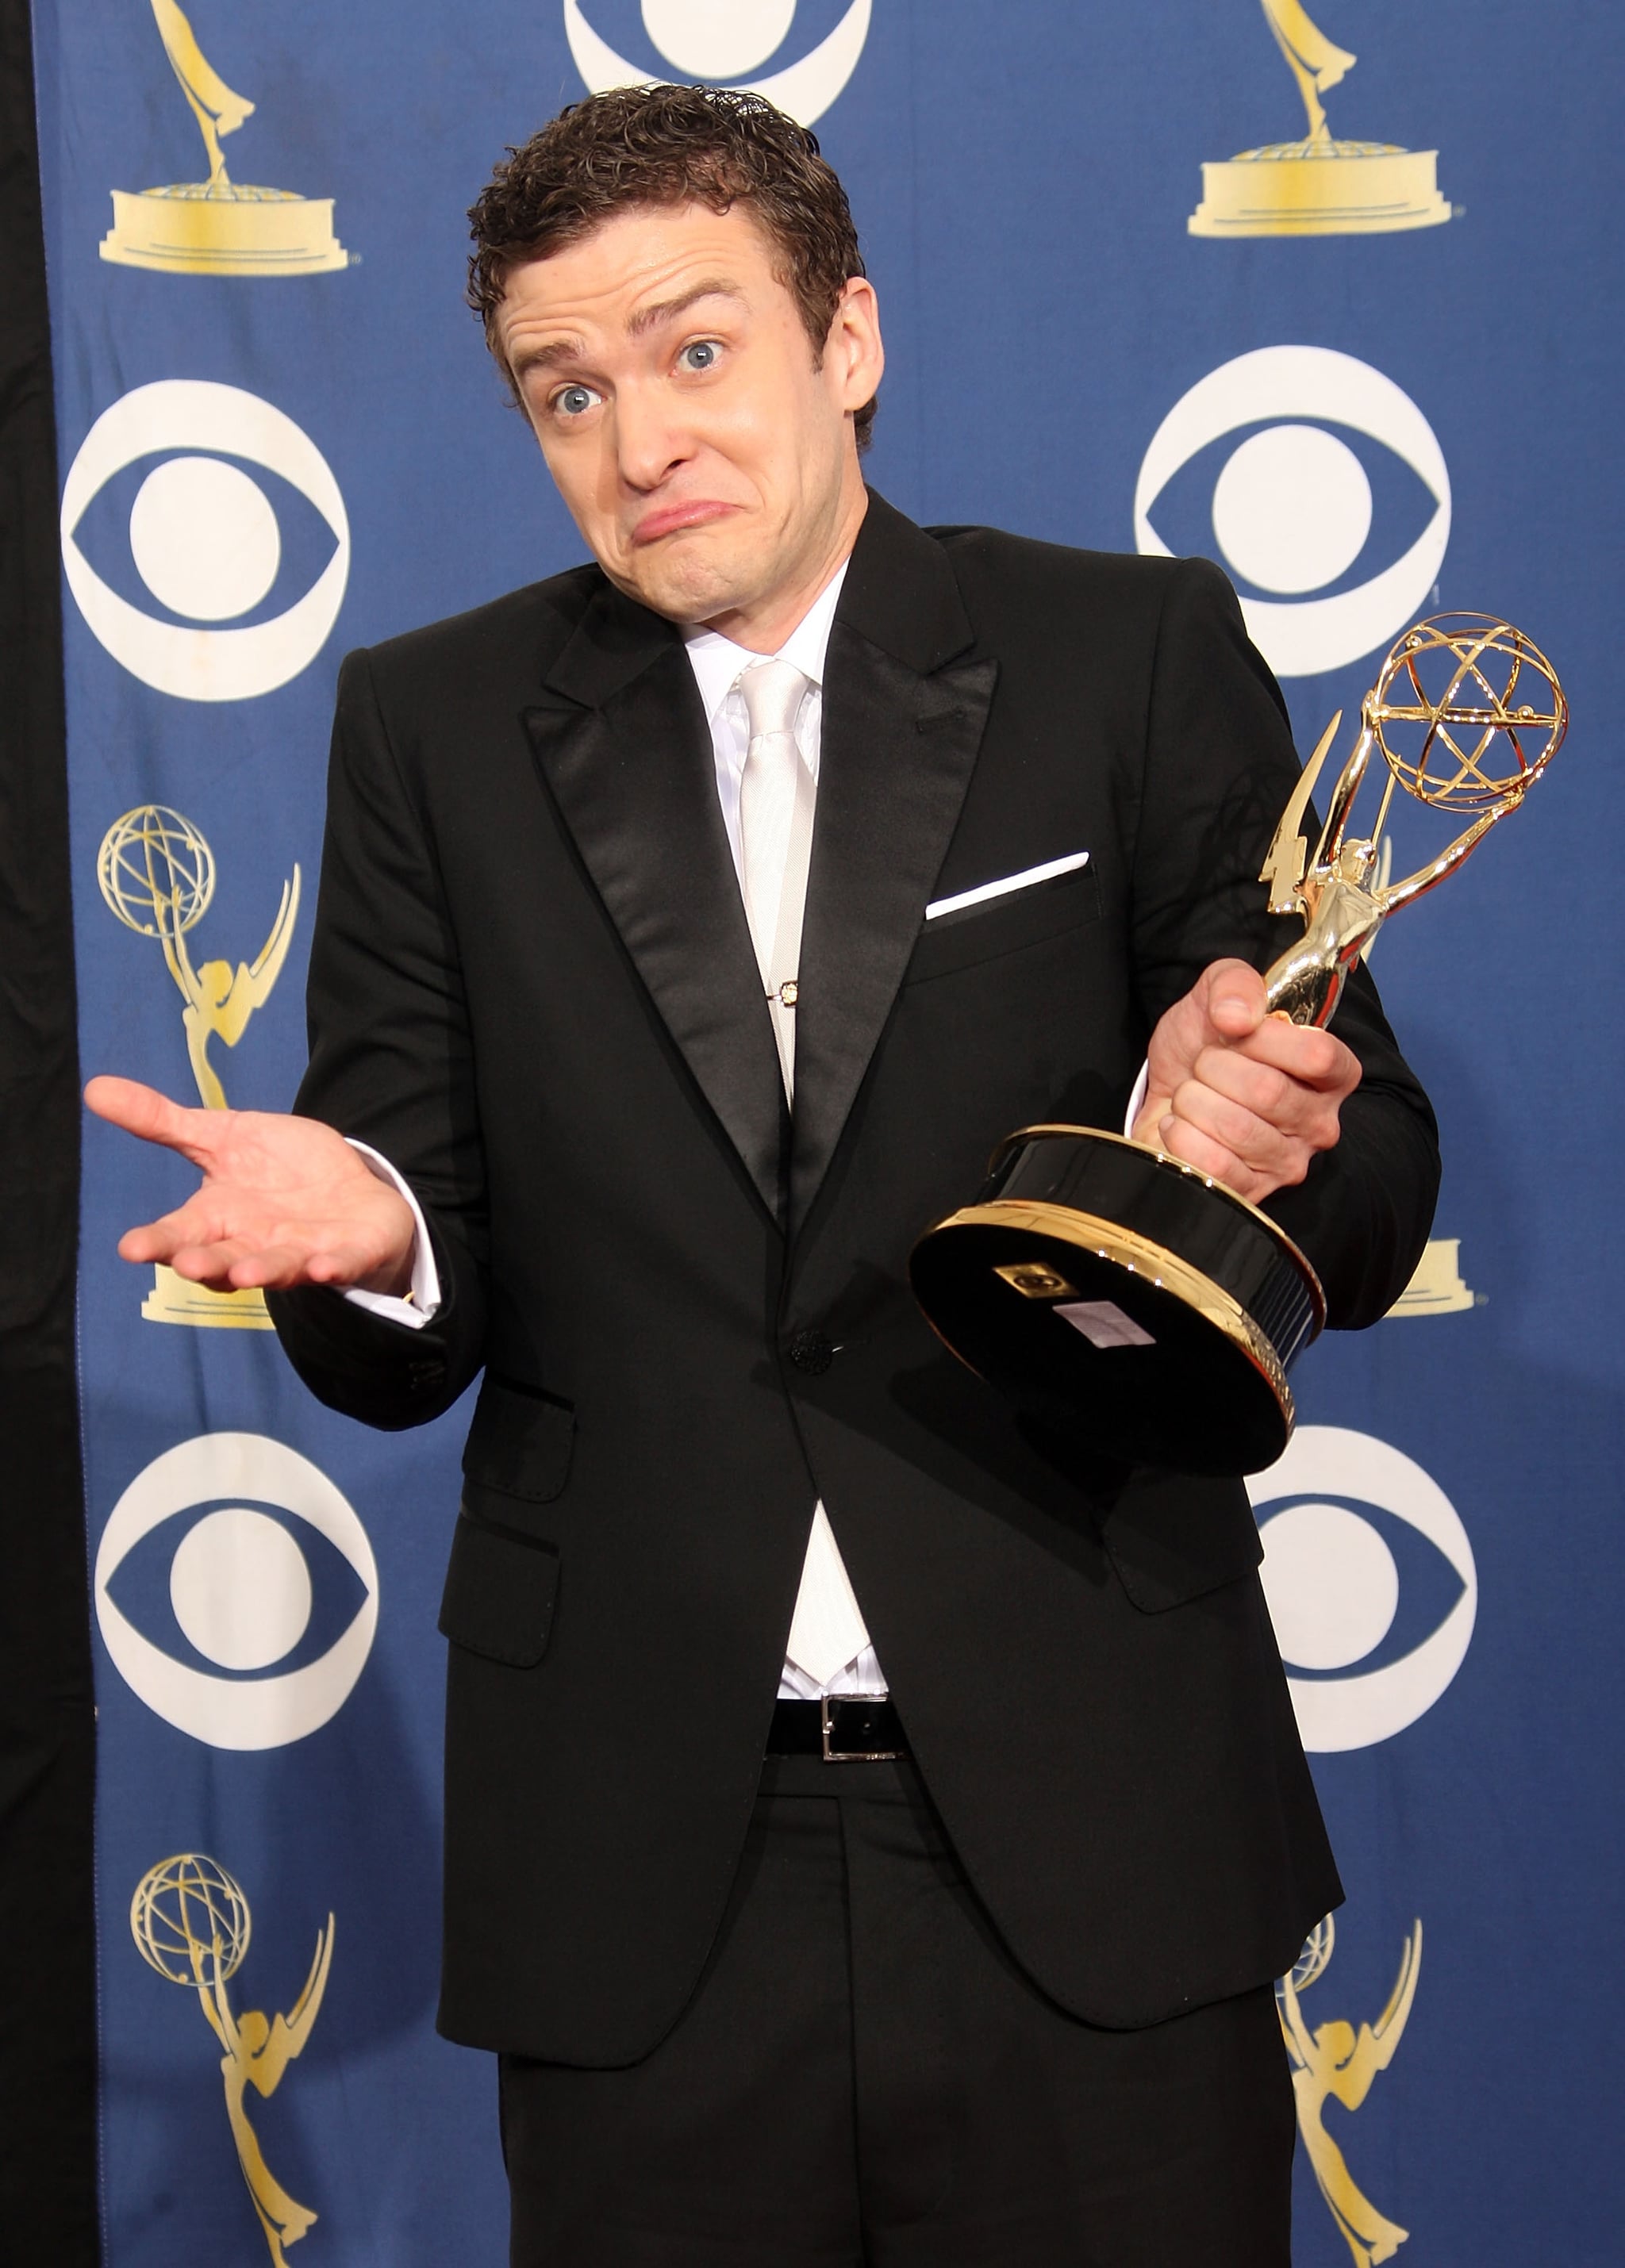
<point x="670" y="145"/>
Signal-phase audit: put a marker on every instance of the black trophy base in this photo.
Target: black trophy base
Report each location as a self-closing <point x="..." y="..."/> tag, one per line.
<point x="1116" y="1291"/>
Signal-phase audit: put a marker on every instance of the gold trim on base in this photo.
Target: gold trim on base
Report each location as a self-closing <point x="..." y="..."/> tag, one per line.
<point x="1437" y="1287"/>
<point x="1326" y="189"/>
<point x="186" y="229"/>
<point x="1138" y="1255"/>
<point x="1273" y="1228"/>
<point x="173" y="1301"/>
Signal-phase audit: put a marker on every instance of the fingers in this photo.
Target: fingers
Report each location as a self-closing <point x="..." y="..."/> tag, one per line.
<point x="1307" y="1057"/>
<point x="236" y="1264"/>
<point x="143" y="1111"/>
<point x="1257" y="1113"/>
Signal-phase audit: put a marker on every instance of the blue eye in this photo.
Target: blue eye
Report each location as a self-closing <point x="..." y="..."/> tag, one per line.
<point x="700" y="354"/>
<point x="574" y="400"/>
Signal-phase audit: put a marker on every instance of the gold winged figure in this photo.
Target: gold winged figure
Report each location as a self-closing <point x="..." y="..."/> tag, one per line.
<point x="215" y="108"/>
<point x="1336" y="2061"/>
<point x="258" y="2051"/>
<point x="1315" y="61"/>
<point x="220" y="999"/>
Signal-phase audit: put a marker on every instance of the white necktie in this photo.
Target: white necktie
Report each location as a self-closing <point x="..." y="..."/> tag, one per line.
<point x="776" y="803"/>
<point x="776" y="798"/>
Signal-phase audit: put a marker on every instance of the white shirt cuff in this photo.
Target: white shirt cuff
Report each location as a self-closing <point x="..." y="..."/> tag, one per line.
<point x="422" y="1303"/>
<point x="1136" y="1101"/>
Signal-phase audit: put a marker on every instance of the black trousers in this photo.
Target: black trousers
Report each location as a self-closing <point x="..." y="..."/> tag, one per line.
<point x="865" y="2079"/>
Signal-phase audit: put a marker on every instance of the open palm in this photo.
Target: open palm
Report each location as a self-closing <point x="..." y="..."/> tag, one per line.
<point x="283" y="1200"/>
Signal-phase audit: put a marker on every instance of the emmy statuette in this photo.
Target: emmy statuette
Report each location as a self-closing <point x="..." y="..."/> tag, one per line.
<point x="156" y="874"/>
<point x="217" y="227"/>
<point x="1096" y="1280"/>
<point x="1317" y="186"/>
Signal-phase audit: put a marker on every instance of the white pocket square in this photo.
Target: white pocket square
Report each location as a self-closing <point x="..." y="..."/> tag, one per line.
<point x="1024" y="880"/>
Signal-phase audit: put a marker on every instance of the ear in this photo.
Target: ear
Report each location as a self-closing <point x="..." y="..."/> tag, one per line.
<point x="854" y="357"/>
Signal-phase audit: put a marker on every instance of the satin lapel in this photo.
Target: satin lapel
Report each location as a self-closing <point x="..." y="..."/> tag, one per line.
<point x="898" y="747"/>
<point x="633" y="778"/>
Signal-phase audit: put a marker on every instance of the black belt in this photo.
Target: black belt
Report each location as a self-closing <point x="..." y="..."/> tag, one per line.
<point x="842" y="1728"/>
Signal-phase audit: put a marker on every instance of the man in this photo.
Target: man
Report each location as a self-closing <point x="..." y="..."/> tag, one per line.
<point x="691" y="927"/>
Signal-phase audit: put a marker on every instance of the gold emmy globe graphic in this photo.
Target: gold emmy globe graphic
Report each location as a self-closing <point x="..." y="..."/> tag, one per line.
<point x="1337" y="2062"/>
<point x="1318" y="187"/>
<point x="1097" y="1279"/>
<point x="157" y="875"/>
<point x="191" y="1922"/>
<point x="217" y="227"/>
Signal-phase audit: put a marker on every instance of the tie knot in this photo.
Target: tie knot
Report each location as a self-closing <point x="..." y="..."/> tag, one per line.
<point x="772" y="692"/>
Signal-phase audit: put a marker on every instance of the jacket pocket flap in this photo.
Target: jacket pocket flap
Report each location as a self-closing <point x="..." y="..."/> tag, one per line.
<point x="1004" y="924"/>
<point x="519" y="1441"/>
<point x="1171" y="1537"/>
<point x="500" y="1591"/>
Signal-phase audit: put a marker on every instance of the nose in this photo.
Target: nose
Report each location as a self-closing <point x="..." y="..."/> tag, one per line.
<point x="650" y="442"/>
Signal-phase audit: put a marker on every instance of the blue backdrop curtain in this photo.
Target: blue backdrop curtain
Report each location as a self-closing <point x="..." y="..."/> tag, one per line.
<point x="1374" y="370"/>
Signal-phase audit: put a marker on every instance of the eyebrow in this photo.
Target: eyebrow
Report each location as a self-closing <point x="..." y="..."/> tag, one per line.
<point x="559" y="352"/>
<point x="650" y="318"/>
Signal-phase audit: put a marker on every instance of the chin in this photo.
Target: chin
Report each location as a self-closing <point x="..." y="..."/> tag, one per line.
<point x="691" y="587"/>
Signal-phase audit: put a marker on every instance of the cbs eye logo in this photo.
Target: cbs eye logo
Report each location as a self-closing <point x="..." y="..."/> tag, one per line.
<point x="1368" y="1650"/>
<point x="265" y="1590"/>
<point x="206" y="538"/>
<point x="724" y="41"/>
<point x="1292" y="507"/>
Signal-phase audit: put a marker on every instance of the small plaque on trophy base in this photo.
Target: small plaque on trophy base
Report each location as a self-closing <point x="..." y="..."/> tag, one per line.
<point x="173" y="1301"/>
<point x="1320" y="189"/>
<point x="197" y="229"/>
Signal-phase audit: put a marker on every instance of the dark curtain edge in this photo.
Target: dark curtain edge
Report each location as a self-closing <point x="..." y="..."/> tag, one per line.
<point x="48" y="2186"/>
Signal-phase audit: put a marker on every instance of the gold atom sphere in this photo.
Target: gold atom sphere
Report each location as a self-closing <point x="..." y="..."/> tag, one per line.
<point x="156" y="870"/>
<point x="1457" y="694"/>
<point x="1317" y="1952"/>
<point x="190" y="1902"/>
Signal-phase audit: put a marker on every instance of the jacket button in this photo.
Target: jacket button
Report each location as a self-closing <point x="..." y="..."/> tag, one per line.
<point x="811" y="1352"/>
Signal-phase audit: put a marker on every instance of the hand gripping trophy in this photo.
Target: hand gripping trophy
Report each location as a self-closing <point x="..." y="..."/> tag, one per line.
<point x="1097" y="1277"/>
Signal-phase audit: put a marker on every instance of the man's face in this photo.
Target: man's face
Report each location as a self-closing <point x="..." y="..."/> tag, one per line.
<point x="671" y="382"/>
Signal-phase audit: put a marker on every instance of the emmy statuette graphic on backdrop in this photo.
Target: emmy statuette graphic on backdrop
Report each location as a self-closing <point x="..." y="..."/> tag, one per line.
<point x="191" y="1922"/>
<point x="1318" y="187"/>
<point x="1096" y="1276"/>
<point x="1335" y="2061"/>
<point x="217" y="227"/>
<point x="1438" y="1287"/>
<point x="156" y="874"/>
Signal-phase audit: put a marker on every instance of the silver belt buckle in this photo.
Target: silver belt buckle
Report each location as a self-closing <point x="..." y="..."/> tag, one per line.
<point x="833" y="1756"/>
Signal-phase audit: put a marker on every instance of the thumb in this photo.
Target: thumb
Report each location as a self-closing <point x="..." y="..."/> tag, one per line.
<point x="1231" y="999"/>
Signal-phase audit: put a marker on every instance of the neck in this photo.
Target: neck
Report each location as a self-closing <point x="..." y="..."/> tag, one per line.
<point x="764" y="625"/>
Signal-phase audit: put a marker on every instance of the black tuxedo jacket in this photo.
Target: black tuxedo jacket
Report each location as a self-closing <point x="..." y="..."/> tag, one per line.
<point x="532" y="987"/>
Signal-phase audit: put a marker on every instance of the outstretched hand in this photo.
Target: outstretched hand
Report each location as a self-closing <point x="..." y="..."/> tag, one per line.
<point x="285" y="1201"/>
<point x="1242" y="1095"/>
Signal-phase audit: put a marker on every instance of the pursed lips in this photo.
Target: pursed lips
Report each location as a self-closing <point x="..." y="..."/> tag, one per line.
<point x="670" y="520"/>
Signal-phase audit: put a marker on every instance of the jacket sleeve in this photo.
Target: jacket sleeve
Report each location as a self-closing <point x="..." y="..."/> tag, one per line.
<point x="1219" y="768"/>
<point x="391" y="1062"/>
